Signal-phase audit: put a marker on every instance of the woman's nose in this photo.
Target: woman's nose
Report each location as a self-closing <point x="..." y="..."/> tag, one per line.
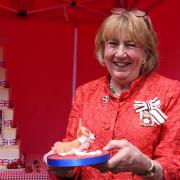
<point x="120" y="51"/>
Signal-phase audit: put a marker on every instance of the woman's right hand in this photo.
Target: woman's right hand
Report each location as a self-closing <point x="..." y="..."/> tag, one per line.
<point x="59" y="171"/>
<point x="63" y="171"/>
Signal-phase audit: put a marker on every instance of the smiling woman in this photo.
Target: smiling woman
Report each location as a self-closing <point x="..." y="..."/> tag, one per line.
<point x="133" y="111"/>
<point x="133" y="31"/>
<point x="125" y="51"/>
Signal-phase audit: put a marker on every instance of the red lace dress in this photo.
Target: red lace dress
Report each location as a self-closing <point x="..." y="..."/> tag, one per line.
<point x="115" y="118"/>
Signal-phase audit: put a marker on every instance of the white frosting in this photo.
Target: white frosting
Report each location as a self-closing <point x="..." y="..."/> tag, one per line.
<point x="83" y="139"/>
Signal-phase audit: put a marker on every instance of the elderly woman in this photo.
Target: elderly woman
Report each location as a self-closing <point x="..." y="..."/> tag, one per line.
<point x="133" y="111"/>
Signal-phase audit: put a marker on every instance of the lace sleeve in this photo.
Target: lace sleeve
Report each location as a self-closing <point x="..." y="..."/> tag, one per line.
<point x="167" y="153"/>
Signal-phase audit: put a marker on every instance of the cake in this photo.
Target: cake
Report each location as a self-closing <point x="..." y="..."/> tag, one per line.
<point x="9" y="146"/>
<point x="9" y="154"/>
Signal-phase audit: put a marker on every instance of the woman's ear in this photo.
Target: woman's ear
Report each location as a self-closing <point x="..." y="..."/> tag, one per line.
<point x="144" y="61"/>
<point x="146" y="54"/>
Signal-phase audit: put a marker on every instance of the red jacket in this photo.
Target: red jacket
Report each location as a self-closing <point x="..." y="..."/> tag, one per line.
<point x="116" y="118"/>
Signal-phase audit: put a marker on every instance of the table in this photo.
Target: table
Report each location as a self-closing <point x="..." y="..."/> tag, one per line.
<point x="20" y="174"/>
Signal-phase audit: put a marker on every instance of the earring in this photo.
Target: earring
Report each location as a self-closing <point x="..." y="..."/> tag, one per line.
<point x="144" y="61"/>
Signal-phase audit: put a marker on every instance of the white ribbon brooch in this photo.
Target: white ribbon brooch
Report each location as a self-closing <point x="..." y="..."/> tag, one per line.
<point x="150" y="112"/>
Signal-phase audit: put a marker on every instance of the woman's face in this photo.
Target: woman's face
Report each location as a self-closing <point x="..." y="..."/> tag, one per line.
<point x="123" y="59"/>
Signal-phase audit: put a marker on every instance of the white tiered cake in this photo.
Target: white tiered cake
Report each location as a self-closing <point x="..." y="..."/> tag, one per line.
<point x="9" y="146"/>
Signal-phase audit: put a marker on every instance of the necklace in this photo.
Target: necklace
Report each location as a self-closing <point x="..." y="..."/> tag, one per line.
<point x="114" y="92"/>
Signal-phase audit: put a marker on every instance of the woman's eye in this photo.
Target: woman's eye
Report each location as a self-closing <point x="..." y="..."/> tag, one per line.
<point x="112" y="43"/>
<point x="131" y="45"/>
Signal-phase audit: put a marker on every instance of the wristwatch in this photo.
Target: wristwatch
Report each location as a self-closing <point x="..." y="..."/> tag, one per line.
<point x="150" y="172"/>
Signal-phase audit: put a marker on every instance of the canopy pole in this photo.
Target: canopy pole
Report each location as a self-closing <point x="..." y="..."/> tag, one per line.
<point x="74" y="68"/>
<point x="47" y="9"/>
<point x="8" y="9"/>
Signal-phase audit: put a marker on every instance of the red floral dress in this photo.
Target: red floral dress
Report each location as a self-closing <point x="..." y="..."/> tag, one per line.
<point x="110" y="117"/>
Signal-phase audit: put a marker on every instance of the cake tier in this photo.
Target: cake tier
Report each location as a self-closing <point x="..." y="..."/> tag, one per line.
<point x="2" y="76"/>
<point x="4" y="97"/>
<point x="9" y="136"/>
<point x="8" y="114"/>
<point x="9" y="154"/>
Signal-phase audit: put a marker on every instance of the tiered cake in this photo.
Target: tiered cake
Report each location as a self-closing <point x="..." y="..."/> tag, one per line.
<point x="9" y="147"/>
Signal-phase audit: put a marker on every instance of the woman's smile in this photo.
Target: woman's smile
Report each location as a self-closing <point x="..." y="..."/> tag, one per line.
<point x="121" y="66"/>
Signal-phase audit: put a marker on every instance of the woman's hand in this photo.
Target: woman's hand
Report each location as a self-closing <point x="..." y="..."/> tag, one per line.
<point x="128" y="158"/>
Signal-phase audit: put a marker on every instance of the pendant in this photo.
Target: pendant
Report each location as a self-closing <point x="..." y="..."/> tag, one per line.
<point x="146" y="119"/>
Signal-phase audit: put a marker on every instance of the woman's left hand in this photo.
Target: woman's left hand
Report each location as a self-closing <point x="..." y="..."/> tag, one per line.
<point x="128" y="158"/>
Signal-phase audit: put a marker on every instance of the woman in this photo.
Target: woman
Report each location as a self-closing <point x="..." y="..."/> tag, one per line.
<point x="133" y="111"/>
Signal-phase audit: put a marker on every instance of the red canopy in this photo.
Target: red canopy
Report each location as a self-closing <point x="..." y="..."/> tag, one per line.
<point x="49" y="51"/>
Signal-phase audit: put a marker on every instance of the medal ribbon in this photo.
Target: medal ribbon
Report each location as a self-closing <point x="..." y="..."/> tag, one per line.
<point x="153" y="107"/>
